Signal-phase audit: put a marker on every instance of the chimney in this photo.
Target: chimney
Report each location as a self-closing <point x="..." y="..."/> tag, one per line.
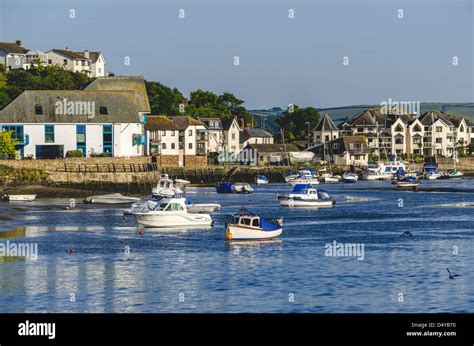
<point x="18" y="43"/>
<point x="86" y="54"/>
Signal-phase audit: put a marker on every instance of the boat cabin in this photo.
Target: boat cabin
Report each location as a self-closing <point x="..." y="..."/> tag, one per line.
<point x="175" y="204"/>
<point x="247" y="220"/>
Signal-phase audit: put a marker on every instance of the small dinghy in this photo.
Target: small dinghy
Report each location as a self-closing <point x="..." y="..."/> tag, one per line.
<point x="226" y="187"/>
<point x="113" y="198"/>
<point x="261" y="180"/>
<point x="19" y="198"/>
<point x="454" y="174"/>
<point x="410" y="182"/>
<point x="248" y="226"/>
<point x="304" y="195"/>
<point x="350" y="178"/>
<point x="170" y="212"/>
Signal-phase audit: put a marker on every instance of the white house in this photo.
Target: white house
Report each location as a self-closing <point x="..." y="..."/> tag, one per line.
<point x="70" y="60"/>
<point x="254" y="135"/>
<point x="12" y="55"/>
<point x="97" y="62"/>
<point x="215" y="134"/>
<point x="325" y="130"/>
<point x="231" y="135"/>
<point x="177" y="140"/>
<point x="97" y="120"/>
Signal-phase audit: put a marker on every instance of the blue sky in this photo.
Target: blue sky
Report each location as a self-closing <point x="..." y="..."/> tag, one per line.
<point x="282" y="60"/>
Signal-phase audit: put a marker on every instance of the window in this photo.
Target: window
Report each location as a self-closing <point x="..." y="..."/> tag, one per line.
<point x="439" y="129"/>
<point x="81" y="138"/>
<point x="107" y="139"/>
<point x="174" y="206"/>
<point x="173" y="133"/>
<point x="190" y="146"/>
<point x="398" y="128"/>
<point x="172" y="145"/>
<point x="439" y="140"/>
<point x="190" y="132"/>
<point x="326" y="139"/>
<point x="336" y="145"/>
<point x="49" y="133"/>
<point x="103" y="110"/>
<point x="65" y="62"/>
<point x="50" y="62"/>
<point x="461" y="129"/>
<point x="360" y="129"/>
<point x="416" y="140"/>
<point x="163" y="133"/>
<point x="255" y="222"/>
<point x="39" y="110"/>
<point x="417" y="128"/>
<point x="399" y="140"/>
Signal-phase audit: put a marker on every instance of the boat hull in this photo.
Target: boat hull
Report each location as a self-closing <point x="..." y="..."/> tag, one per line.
<point x="304" y="181"/>
<point x="235" y="232"/>
<point x="377" y="177"/>
<point x="203" y="208"/>
<point x="296" y="202"/>
<point x="111" y="199"/>
<point x="261" y="182"/>
<point x="21" y="198"/>
<point x="175" y="220"/>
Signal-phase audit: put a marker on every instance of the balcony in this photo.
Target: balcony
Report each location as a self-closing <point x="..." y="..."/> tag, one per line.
<point x="427" y="134"/>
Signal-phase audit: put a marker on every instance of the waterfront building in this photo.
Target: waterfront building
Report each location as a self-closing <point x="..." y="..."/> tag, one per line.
<point x="231" y="135"/>
<point x="106" y="118"/>
<point x="267" y="154"/>
<point x="254" y="135"/>
<point x="325" y="130"/>
<point x="215" y="134"/>
<point x="70" y="60"/>
<point x="344" y="150"/>
<point x="431" y="133"/>
<point x="179" y="141"/>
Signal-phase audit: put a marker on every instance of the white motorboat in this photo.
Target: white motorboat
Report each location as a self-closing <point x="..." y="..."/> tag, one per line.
<point x="261" y="180"/>
<point x="242" y="188"/>
<point x="383" y="171"/>
<point x="249" y="226"/>
<point x="329" y="178"/>
<point x="303" y="180"/>
<point x="181" y="182"/>
<point x="19" y="198"/>
<point x="350" y="178"/>
<point x="165" y="188"/>
<point x="454" y="174"/>
<point x="202" y="207"/>
<point x="150" y="204"/>
<point x="171" y="212"/>
<point x="304" y="195"/>
<point x="112" y="198"/>
<point x="433" y="175"/>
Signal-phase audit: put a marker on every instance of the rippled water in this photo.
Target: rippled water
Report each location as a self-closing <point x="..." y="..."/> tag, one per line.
<point x="197" y="271"/>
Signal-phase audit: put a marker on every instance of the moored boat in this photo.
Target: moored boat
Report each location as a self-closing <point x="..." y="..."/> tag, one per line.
<point x="171" y="212"/>
<point x="165" y="188"/>
<point x="410" y="182"/>
<point x="181" y="182"/>
<point x="454" y="174"/>
<point x="329" y="178"/>
<point x="350" y="178"/>
<point x="242" y="188"/>
<point x="261" y="180"/>
<point x="20" y="198"/>
<point x="249" y="226"/>
<point x="112" y="198"/>
<point x="304" y="195"/>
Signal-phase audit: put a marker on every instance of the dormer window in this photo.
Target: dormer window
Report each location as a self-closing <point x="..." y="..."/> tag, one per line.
<point x="103" y="110"/>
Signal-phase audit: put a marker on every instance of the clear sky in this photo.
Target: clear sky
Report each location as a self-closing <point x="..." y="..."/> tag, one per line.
<point x="282" y="60"/>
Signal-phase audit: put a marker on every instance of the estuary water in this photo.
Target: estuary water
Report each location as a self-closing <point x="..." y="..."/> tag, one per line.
<point x="92" y="260"/>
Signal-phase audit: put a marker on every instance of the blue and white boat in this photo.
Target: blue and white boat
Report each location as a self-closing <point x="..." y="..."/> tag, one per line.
<point x="226" y="187"/>
<point x="261" y="180"/>
<point x="410" y="182"/>
<point x="249" y="226"/>
<point x="350" y="178"/>
<point x="431" y="171"/>
<point x="304" y="195"/>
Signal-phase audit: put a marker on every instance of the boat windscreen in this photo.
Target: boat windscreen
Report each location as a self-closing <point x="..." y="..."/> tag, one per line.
<point x="300" y="187"/>
<point x="267" y="225"/>
<point x="323" y="194"/>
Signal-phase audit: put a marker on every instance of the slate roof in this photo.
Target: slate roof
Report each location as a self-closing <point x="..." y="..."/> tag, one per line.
<point x="253" y="132"/>
<point x="182" y="122"/>
<point x="68" y="54"/>
<point x="160" y="122"/>
<point x="326" y="124"/>
<point x="227" y="123"/>
<point x="429" y="117"/>
<point x="121" y="107"/>
<point x="93" y="56"/>
<point x="343" y="145"/>
<point x="217" y="124"/>
<point x="12" y="47"/>
<point x="273" y="148"/>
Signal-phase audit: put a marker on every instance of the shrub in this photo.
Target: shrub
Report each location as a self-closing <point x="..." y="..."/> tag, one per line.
<point x="74" y="153"/>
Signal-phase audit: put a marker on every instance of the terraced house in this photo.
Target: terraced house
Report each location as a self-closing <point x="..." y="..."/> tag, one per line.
<point x="106" y="118"/>
<point x="177" y="140"/>
<point x="431" y="133"/>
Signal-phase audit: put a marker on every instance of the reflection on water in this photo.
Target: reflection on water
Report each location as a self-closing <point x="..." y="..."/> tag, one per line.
<point x="116" y="268"/>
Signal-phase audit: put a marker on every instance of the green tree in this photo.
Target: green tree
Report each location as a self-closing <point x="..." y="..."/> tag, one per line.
<point x="7" y="145"/>
<point x="295" y="120"/>
<point x="164" y="100"/>
<point x="203" y="98"/>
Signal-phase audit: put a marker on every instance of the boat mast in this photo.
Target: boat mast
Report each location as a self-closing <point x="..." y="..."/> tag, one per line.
<point x="282" y="131"/>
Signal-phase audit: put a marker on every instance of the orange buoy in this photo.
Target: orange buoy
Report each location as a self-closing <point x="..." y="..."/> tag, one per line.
<point x="228" y="235"/>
